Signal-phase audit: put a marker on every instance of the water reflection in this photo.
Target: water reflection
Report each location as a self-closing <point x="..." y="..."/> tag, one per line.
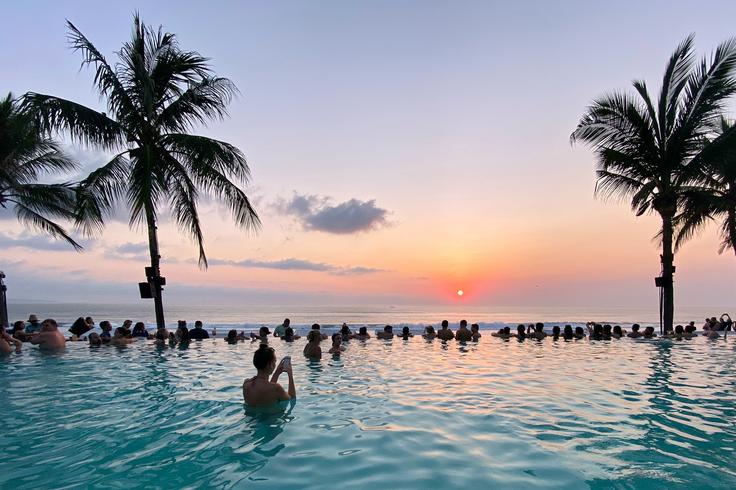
<point x="264" y="424"/>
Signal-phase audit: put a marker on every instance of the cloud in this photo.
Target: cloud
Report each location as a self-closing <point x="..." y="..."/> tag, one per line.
<point x="296" y="265"/>
<point x="38" y="242"/>
<point x="128" y="251"/>
<point x="318" y="214"/>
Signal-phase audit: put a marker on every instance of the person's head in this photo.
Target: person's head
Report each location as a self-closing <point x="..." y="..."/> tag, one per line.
<point x="429" y="329"/>
<point x="567" y="330"/>
<point x="33" y="319"/>
<point x="539" y="327"/>
<point x="463" y="324"/>
<point x="345" y="330"/>
<point x="94" y="339"/>
<point x="555" y="330"/>
<point x="507" y="330"/>
<point x="19" y="326"/>
<point x="315" y="326"/>
<point x="606" y="329"/>
<point x="139" y="327"/>
<point x="232" y="335"/>
<point x="127" y="323"/>
<point x="388" y="329"/>
<point x="690" y="328"/>
<point x="119" y="333"/>
<point x="264" y="359"/>
<point x="649" y="331"/>
<point x="314" y="336"/>
<point x="288" y="333"/>
<point x="445" y="324"/>
<point x="679" y="330"/>
<point x="79" y="323"/>
<point x="287" y="322"/>
<point x="474" y="327"/>
<point x="521" y="329"/>
<point x="198" y="324"/>
<point x="161" y="334"/>
<point x="405" y="331"/>
<point x="263" y="332"/>
<point x="598" y="329"/>
<point x="617" y="330"/>
<point x="579" y="332"/>
<point x="184" y="335"/>
<point x="363" y="330"/>
<point x="181" y="324"/>
<point x="635" y="327"/>
<point x="49" y="325"/>
<point x="105" y="326"/>
<point x="336" y="338"/>
<point x="89" y="321"/>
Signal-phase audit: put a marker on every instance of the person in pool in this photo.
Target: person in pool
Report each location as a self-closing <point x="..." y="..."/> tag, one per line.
<point x="106" y="328"/>
<point x="119" y="339"/>
<point x="94" y="339"/>
<point x="34" y="326"/>
<point x="539" y="332"/>
<point x="126" y="326"/>
<point x="79" y="327"/>
<point x="406" y="333"/>
<point x="49" y="338"/>
<point x="617" y="332"/>
<point x="19" y="332"/>
<point x="337" y="347"/>
<point x="567" y="332"/>
<point x="280" y="331"/>
<point x="635" y="333"/>
<point x="388" y="333"/>
<point x="182" y="334"/>
<point x="521" y="332"/>
<point x="8" y="343"/>
<point x="475" y="332"/>
<point x="161" y="337"/>
<point x="579" y="333"/>
<point x="711" y="334"/>
<point x="318" y="328"/>
<point x="258" y="390"/>
<point x="233" y="337"/>
<point x="649" y="333"/>
<point x="679" y="332"/>
<point x="198" y="333"/>
<point x="445" y="333"/>
<point x="689" y="330"/>
<point x="463" y="334"/>
<point x="345" y="331"/>
<point x="555" y="333"/>
<point x="312" y="349"/>
<point x="607" y="332"/>
<point x="362" y="334"/>
<point x="263" y="334"/>
<point x="139" y="331"/>
<point x="289" y="335"/>
<point x="429" y="333"/>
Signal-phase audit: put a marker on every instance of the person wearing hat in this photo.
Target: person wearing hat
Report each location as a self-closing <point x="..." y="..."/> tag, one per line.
<point x="33" y="326"/>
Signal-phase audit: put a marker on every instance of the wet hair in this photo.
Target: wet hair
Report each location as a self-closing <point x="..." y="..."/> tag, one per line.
<point x="263" y="356"/>
<point x="19" y="325"/>
<point x="363" y="331"/>
<point x="182" y="323"/>
<point x="567" y="332"/>
<point x="314" y="335"/>
<point x="104" y="324"/>
<point x="445" y="323"/>
<point x="232" y="336"/>
<point x="429" y="329"/>
<point x="474" y="326"/>
<point x="140" y="326"/>
<point x="539" y="327"/>
<point x="198" y="324"/>
<point x="635" y="327"/>
<point x="405" y="331"/>
<point x="679" y="330"/>
<point x="579" y="331"/>
<point x="388" y="328"/>
<point x="78" y="325"/>
<point x="521" y="330"/>
<point x="315" y="326"/>
<point x="463" y="323"/>
<point x="617" y="330"/>
<point x="556" y="330"/>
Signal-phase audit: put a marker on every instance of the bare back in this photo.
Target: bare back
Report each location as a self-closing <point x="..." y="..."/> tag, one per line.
<point x="258" y="391"/>
<point x="49" y="340"/>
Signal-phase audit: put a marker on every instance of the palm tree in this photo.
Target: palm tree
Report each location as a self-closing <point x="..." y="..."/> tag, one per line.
<point x="643" y="151"/>
<point x="27" y="155"/>
<point x="155" y="95"/>
<point x="712" y="196"/>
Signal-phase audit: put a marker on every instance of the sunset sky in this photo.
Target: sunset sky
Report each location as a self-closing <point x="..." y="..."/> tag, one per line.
<point x="400" y="151"/>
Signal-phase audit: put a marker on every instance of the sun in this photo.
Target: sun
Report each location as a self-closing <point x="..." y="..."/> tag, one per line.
<point x="460" y="292"/>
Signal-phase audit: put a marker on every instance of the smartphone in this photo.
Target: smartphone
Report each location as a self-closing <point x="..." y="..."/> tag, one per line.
<point x="286" y="361"/>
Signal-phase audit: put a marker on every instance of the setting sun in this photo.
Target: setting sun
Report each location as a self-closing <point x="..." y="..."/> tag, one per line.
<point x="460" y="292"/>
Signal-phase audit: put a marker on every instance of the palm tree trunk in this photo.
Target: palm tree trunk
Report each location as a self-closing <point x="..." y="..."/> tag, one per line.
<point x="155" y="279"/>
<point x="668" y="293"/>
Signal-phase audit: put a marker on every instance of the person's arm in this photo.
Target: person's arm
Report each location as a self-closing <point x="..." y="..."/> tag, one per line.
<point x="37" y="339"/>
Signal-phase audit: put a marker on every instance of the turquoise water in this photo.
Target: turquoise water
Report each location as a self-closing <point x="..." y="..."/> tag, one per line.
<point x="395" y="414"/>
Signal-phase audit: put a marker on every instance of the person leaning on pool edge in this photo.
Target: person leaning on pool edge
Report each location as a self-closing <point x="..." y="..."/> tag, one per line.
<point x="258" y="390"/>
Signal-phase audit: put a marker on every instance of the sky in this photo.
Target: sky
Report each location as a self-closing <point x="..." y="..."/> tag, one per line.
<point x="399" y="151"/>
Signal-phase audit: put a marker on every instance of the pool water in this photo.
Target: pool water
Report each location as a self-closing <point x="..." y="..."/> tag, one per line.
<point x="386" y="414"/>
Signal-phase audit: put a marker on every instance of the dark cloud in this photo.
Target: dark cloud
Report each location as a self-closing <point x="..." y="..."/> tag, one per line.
<point x="38" y="242"/>
<point x="317" y="213"/>
<point x="296" y="265"/>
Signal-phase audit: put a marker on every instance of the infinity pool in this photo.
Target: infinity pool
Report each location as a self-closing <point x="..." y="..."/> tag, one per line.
<point x="387" y="414"/>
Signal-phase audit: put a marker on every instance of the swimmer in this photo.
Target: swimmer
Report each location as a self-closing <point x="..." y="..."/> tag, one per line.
<point x="337" y="347"/>
<point x="406" y="333"/>
<point x="7" y="343"/>
<point x="475" y="331"/>
<point x="445" y="333"/>
<point x="388" y="333"/>
<point x="258" y="390"/>
<point x="49" y="338"/>
<point x="362" y="334"/>
<point x="429" y="333"/>
<point x="463" y="334"/>
<point x="312" y="349"/>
